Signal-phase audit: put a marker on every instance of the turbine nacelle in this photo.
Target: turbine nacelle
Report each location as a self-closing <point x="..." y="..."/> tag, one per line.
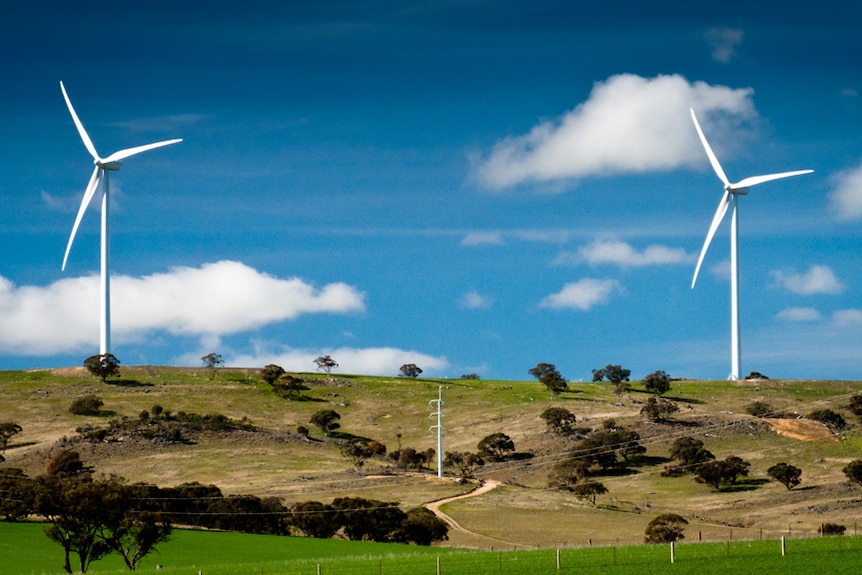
<point x="110" y="166"/>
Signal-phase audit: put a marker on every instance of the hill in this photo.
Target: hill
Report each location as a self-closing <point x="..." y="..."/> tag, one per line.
<point x="274" y="459"/>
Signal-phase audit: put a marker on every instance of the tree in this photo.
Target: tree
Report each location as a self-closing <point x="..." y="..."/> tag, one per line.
<point x="272" y="373"/>
<point x="828" y="417"/>
<point x="788" y="475"/>
<point x="548" y="376"/>
<point x="325" y="364"/>
<point x="497" y="445"/>
<point x="213" y="361"/>
<point x="589" y="491"/>
<point x="422" y="527"/>
<point x="566" y="474"/>
<point x="103" y="366"/>
<point x="466" y="463"/>
<point x="559" y="420"/>
<point x="357" y="452"/>
<point x="326" y="420"/>
<point x="369" y="519"/>
<point x="314" y="519"/>
<point x="66" y="463"/>
<point x="658" y="382"/>
<point x="617" y="375"/>
<point x="689" y="451"/>
<point x="853" y="471"/>
<point x="8" y="429"/>
<point x="410" y="370"/>
<point x="720" y="473"/>
<point x="666" y="528"/>
<point x="129" y="530"/>
<point x="658" y="408"/>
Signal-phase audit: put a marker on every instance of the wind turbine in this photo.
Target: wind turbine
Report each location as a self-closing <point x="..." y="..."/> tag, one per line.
<point x="733" y="191"/>
<point x="111" y="163"/>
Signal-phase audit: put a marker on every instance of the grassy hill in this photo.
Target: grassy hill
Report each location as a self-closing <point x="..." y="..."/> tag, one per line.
<point x="275" y="460"/>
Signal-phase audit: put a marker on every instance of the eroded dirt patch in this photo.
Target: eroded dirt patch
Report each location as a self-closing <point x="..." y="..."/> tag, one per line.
<point x="802" y="429"/>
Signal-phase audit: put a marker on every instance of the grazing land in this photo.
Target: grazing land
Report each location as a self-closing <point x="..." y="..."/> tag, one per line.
<point x="276" y="460"/>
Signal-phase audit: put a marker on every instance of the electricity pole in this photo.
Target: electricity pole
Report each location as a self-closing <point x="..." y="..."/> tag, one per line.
<point x="439" y="428"/>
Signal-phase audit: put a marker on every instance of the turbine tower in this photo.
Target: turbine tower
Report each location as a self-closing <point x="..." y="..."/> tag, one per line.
<point x="732" y="191"/>
<point x="111" y="163"/>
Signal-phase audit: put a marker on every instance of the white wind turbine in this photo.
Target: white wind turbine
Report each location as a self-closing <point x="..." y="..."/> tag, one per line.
<point x="734" y="190"/>
<point x="111" y="163"/>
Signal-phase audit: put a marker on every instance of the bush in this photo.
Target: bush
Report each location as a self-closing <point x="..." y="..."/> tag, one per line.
<point x="759" y="409"/>
<point x="666" y="528"/>
<point x="832" y="529"/>
<point x="828" y="417"/>
<point x="87" y="405"/>
<point x="657" y="382"/>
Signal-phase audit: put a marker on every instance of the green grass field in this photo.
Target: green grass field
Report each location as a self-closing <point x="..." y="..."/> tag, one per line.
<point x="24" y="550"/>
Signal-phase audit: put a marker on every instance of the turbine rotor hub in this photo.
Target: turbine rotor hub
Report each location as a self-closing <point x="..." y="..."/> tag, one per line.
<point x="110" y="166"/>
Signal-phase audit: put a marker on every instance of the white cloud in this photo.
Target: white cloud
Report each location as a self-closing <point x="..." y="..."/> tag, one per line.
<point x="847" y="317"/>
<point x="475" y="300"/>
<point x="582" y="295"/>
<point x="849" y="92"/>
<point x="723" y="42"/>
<point x="846" y="195"/>
<point x="367" y="361"/>
<point x="483" y="239"/>
<point x="216" y="299"/>
<point x="622" y="254"/>
<point x="817" y="280"/>
<point x="799" y="314"/>
<point x="629" y="124"/>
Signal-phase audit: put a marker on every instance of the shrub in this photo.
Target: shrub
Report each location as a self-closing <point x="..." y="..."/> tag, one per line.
<point x="853" y="471"/>
<point x="759" y="409"/>
<point x="658" y="382"/>
<point x="788" y="475"/>
<point x="666" y="528"/>
<point x="832" y="529"/>
<point x="87" y="405"/>
<point x="828" y="417"/>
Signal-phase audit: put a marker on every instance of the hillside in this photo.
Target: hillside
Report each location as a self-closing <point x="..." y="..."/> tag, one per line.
<point x="275" y="460"/>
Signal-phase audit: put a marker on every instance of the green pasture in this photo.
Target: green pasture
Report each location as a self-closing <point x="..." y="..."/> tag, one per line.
<point x="24" y="550"/>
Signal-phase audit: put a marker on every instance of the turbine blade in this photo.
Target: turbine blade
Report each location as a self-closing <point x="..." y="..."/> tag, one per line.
<point x="88" y="195"/>
<point x="754" y="180"/>
<point x="123" y="154"/>
<point x="716" y="219"/>
<point x="88" y="143"/>
<point x="712" y="159"/>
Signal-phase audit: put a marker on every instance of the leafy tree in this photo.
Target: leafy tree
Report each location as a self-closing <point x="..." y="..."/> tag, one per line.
<point x="87" y="405"/>
<point x="408" y="457"/>
<point x="853" y="471"/>
<point x="422" y="527"/>
<point x="16" y="494"/>
<point x="272" y="373"/>
<point x="289" y="386"/>
<point x="566" y="474"/>
<point x="658" y="382"/>
<point x="759" y="409"/>
<point x="497" y="445"/>
<point x="470" y="376"/>
<point x="326" y="420"/>
<point x="589" y="491"/>
<point x="788" y="475"/>
<point x="127" y="529"/>
<point x="213" y="361"/>
<point x="831" y="418"/>
<point x="314" y="519"/>
<point x="66" y="463"/>
<point x="103" y="366"/>
<point x="410" y="370"/>
<point x="548" y="376"/>
<point x="8" y="429"/>
<point x="615" y="374"/>
<point x="831" y="529"/>
<point x="666" y="528"/>
<point x="601" y="447"/>
<point x="720" y="473"/>
<point x="325" y="364"/>
<point x="466" y="463"/>
<point x="559" y="420"/>
<point x="369" y="519"/>
<point x="690" y="452"/>
<point x="357" y="452"/>
<point x="658" y="408"/>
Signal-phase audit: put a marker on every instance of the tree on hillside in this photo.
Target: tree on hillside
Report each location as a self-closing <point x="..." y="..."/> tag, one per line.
<point x="658" y="382"/>
<point x="589" y="491"/>
<point x="410" y="370"/>
<point x="497" y="446"/>
<point x="615" y="374"/>
<point x="548" y="376"/>
<point x="314" y="519"/>
<point x="720" y="473"/>
<point x="666" y="528"/>
<point x="788" y="475"/>
<point x="422" y="527"/>
<point x="103" y="366"/>
<point x="213" y="361"/>
<point x="690" y="452"/>
<point x="8" y="429"/>
<point x="466" y="463"/>
<point x="658" y="408"/>
<point x="357" y="452"/>
<point x="559" y="420"/>
<point x="325" y="364"/>
<point x="853" y="471"/>
<point x="326" y="420"/>
<point x="566" y="474"/>
<point x="271" y="373"/>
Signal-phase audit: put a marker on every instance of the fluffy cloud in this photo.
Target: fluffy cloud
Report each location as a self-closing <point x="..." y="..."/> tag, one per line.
<point x="582" y="295"/>
<point x="475" y="300"/>
<point x="799" y="314"/>
<point x="817" y="280"/>
<point x="723" y="42"/>
<point x="629" y="124"/>
<point x="846" y="195"/>
<point x="368" y="361"/>
<point x="215" y="299"/>
<point x="619" y="253"/>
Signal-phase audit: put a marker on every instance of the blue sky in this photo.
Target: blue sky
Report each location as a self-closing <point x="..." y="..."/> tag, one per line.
<point x="472" y="186"/>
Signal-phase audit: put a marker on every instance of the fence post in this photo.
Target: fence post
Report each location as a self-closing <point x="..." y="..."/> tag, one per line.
<point x="318" y="569"/>
<point x="438" y="565"/>
<point x="558" y="559"/>
<point x="783" y="547"/>
<point x="672" y="553"/>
